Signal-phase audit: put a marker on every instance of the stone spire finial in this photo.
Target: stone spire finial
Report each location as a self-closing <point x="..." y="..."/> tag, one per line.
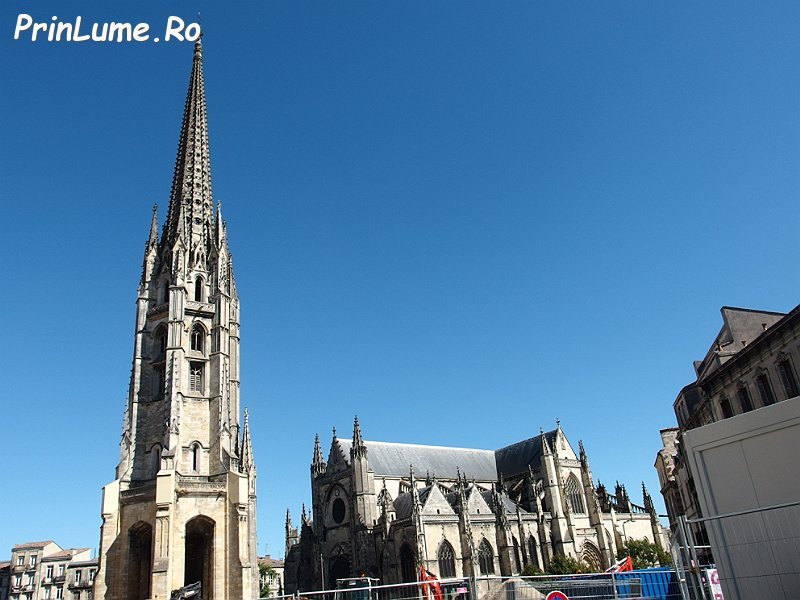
<point x="150" y="247"/>
<point x="318" y="461"/>
<point x="152" y="241"/>
<point x="359" y="449"/>
<point x="647" y="499"/>
<point x="545" y="446"/>
<point x="191" y="180"/>
<point x="582" y="453"/>
<point x="248" y="461"/>
<point x="288" y="519"/>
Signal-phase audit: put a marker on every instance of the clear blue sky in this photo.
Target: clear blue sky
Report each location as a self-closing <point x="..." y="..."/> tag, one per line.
<point x="459" y="220"/>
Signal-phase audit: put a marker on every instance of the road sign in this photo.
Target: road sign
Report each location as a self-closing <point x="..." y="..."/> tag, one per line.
<point x="556" y="596"/>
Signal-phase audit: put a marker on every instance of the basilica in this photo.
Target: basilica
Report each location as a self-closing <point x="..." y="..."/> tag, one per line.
<point x="388" y="509"/>
<point x="181" y="508"/>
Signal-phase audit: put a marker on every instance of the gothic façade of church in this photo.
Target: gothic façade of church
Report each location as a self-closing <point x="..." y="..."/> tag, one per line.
<point x="182" y="506"/>
<point x="387" y="509"/>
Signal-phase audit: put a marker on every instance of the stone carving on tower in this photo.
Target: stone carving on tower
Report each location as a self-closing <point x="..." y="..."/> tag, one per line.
<point x="182" y="506"/>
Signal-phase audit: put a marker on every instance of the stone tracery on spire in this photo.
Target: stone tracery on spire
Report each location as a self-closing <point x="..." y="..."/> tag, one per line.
<point x="191" y="183"/>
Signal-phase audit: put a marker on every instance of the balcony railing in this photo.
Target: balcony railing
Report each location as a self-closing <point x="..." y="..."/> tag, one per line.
<point x="83" y="583"/>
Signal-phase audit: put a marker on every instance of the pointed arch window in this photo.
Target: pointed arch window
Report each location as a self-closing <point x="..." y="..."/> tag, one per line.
<point x="486" y="558"/>
<point x="195" y="457"/>
<point x="196" y="377"/>
<point x="155" y="460"/>
<point x="160" y="344"/>
<point x="198" y="338"/>
<point x="574" y="495"/>
<point x="532" y="557"/>
<point x="517" y="561"/>
<point x="158" y="382"/>
<point x="198" y="289"/>
<point x="163" y="294"/>
<point x="447" y="561"/>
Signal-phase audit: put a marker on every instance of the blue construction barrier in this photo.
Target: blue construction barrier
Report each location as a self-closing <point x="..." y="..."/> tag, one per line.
<point x="657" y="583"/>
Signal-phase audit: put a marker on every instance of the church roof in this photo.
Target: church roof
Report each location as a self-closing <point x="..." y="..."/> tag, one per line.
<point x="394" y="460"/>
<point x="403" y="505"/>
<point x="508" y="504"/>
<point x="514" y="459"/>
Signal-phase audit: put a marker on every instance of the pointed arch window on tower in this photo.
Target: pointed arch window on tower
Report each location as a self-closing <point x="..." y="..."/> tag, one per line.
<point x="198" y="338"/>
<point x="447" y="560"/>
<point x="196" y="377"/>
<point x="163" y="294"/>
<point x="198" y="289"/>
<point x="155" y="460"/>
<point x="574" y="495"/>
<point x="486" y="558"/>
<point x="158" y="382"/>
<point x="160" y="344"/>
<point x="195" y="457"/>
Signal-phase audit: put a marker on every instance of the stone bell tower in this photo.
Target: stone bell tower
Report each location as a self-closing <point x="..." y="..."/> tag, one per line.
<point x="182" y="507"/>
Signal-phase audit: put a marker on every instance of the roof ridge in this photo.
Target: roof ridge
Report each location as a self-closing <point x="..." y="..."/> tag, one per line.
<point x="425" y="446"/>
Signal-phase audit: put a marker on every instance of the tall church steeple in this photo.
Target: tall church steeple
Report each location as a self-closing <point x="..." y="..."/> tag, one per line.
<point x="182" y="442"/>
<point x="191" y="181"/>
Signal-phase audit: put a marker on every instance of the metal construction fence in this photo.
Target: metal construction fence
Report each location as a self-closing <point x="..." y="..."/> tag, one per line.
<point x="757" y="553"/>
<point x="652" y="584"/>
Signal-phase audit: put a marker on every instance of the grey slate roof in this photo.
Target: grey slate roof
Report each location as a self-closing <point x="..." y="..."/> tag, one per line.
<point x="394" y="460"/>
<point x="514" y="459"/>
<point x="403" y="505"/>
<point x="508" y="504"/>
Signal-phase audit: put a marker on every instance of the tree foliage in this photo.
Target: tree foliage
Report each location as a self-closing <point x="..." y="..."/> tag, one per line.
<point x="644" y="553"/>
<point x="531" y="570"/>
<point x="565" y="565"/>
<point x="265" y="574"/>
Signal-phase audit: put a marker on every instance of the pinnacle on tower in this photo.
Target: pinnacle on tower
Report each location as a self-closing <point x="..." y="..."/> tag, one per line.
<point x="191" y="181"/>
<point x="152" y="240"/>
<point x="545" y="446"/>
<point x="317" y="462"/>
<point x="248" y="461"/>
<point x="359" y="449"/>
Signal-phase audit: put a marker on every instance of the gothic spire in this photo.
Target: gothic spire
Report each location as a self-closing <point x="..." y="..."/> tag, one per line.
<point x="318" y="462"/>
<point x="152" y="241"/>
<point x="359" y="450"/>
<point x="191" y="181"/>
<point x="545" y="446"/>
<point x="150" y="247"/>
<point x="248" y="461"/>
<point x="648" y="500"/>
